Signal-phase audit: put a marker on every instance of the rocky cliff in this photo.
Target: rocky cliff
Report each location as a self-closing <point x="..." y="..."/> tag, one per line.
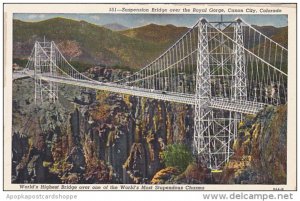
<point x="114" y="138"/>
<point x="260" y="149"/>
<point x="135" y="130"/>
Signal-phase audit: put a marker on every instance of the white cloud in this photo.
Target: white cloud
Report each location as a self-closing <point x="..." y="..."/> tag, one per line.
<point x="36" y="16"/>
<point x="32" y="16"/>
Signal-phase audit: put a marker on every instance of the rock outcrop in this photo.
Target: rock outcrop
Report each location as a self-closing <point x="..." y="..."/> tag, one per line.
<point x="260" y="149"/>
<point x="165" y="175"/>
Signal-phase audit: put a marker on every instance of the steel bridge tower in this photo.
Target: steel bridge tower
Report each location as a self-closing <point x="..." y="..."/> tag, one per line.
<point x="240" y="79"/>
<point x="44" y="63"/>
<point x="215" y="131"/>
<point x="203" y="114"/>
<point x="239" y="82"/>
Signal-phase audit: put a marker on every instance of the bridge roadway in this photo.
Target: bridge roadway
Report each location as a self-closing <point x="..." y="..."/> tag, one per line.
<point x="246" y="107"/>
<point x="22" y="74"/>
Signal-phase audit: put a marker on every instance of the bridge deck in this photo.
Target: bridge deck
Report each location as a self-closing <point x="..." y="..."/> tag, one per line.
<point x="159" y="95"/>
<point x="21" y="74"/>
<point x="246" y="107"/>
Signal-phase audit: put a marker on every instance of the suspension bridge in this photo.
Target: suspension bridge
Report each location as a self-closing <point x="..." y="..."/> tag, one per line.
<point x="223" y="69"/>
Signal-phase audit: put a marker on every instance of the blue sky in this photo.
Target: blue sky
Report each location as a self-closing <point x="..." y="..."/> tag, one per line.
<point x="136" y="20"/>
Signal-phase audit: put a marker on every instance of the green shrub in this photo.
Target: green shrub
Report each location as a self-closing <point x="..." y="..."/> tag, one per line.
<point x="20" y="62"/>
<point x="177" y="155"/>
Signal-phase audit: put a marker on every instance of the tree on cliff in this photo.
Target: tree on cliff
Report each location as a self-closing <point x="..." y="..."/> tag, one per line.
<point x="177" y="155"/>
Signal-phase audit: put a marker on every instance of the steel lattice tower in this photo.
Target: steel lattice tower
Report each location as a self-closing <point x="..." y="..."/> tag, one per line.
<point x="240" y="78"/>
<point x="44" y="63"/>
<point x="239" y="85"/>
<point x="203" y="114"/>
<point x="214" y="131"/>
